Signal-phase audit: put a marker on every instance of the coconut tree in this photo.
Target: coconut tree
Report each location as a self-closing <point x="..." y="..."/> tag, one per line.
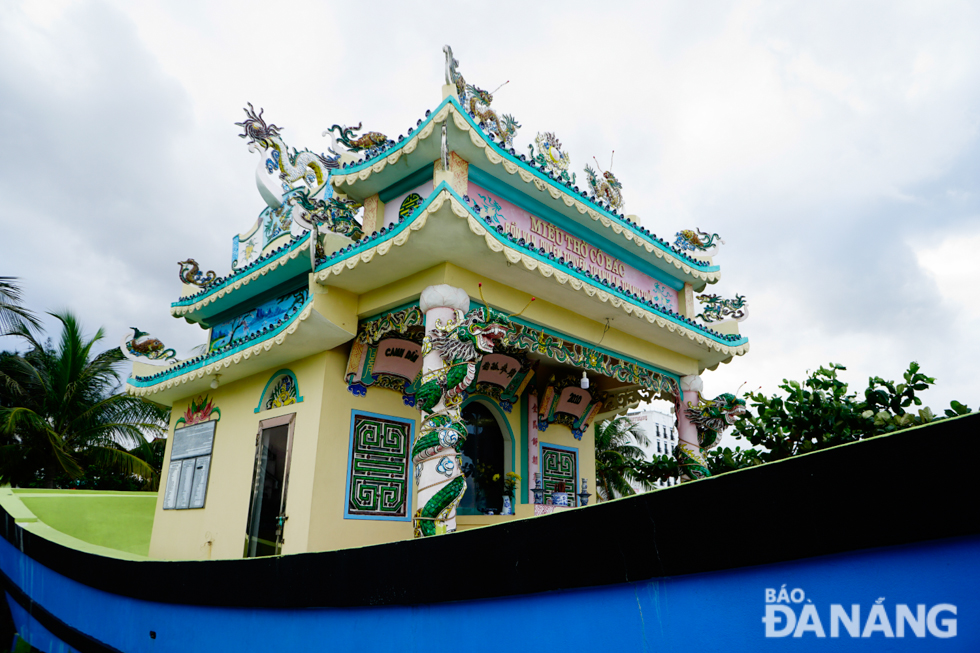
<point x="61" y="412"/>
<point x="12" y="314"/>
<point x="617" y="458"/>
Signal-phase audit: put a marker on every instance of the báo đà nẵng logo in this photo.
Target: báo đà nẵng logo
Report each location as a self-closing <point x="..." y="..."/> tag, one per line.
<point x="790" y="613"/>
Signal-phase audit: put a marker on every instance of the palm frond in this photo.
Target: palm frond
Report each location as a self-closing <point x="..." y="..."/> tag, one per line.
<point x="12" y="313"/>
<point x="68" y="411"/>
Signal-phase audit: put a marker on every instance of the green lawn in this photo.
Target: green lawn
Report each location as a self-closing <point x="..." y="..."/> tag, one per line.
<point x="117" y="520"/>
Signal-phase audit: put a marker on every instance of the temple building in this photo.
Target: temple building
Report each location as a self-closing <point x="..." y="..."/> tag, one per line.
<point x="418" y="335"/>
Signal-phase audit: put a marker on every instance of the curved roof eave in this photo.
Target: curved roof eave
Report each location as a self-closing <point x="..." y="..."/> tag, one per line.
<point x="268" y="271"/>
<point x="288" y="342"/>
<point x="706" y="346"/>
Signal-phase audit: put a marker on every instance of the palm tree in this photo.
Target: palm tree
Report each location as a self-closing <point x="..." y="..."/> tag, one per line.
<point x="617" y="458"/>
<point x="60" y="412"/>
<point x="12" y="314"/>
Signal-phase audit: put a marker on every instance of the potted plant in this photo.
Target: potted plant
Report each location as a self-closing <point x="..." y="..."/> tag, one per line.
<point x="559" y="497"/>
<point x="510" y="486"/>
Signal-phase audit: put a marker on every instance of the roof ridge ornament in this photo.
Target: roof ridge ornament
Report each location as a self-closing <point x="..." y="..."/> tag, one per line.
<point x="551" y="156"/>
<point x="282" y="168"/>
<point x="366" y="146"/>
<point x="716" y="308"/>
<point x="607" y="187"/>
<point x="697" y="241"/>
<point x="477" y="102"/>
<point x="142" y="347"/>
<point x="190" y="273"/>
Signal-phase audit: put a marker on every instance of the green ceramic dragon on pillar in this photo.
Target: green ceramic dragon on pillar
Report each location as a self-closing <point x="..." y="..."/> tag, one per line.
<point x="700" y="424"/>
<point x="454" y="344"/>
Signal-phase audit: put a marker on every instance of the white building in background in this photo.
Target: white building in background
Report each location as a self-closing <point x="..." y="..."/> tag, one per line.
<point x="661" y="430"/>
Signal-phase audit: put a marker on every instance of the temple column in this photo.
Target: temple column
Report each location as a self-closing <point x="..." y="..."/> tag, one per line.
<point x="441" y="432"/>
<point x="374" y="215"/>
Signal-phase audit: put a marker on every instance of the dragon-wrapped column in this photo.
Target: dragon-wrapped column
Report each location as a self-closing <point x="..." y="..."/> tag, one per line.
<point x="689" y="456"/>
<point x="455" y="342"/>
<point x="436" y="454"/>
<point x="700" y="425"/>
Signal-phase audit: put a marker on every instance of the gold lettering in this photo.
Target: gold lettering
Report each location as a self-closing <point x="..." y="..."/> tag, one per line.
<point x="536" y="225"/>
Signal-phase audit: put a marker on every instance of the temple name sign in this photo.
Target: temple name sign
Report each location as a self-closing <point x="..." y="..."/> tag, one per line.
<point x="540" y="233"/>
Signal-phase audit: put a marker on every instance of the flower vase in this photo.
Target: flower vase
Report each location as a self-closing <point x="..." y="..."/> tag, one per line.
<point x="508" y="506"/>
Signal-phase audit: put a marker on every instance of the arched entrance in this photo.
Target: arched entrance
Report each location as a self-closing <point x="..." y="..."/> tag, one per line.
<point x="484" y="461"/>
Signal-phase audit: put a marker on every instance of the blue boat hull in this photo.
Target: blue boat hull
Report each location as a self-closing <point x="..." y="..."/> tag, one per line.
<point x="713" y="611"/>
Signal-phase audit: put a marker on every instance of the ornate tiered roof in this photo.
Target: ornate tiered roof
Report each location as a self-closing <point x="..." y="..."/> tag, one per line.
<point x="534" y="183"/>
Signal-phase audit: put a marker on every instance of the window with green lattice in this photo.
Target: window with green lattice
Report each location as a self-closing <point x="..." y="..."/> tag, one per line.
<point x="559" y="466"/>
<point x="378" y="483"/>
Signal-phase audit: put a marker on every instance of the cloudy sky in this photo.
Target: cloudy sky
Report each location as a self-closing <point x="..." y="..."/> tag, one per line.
<point x="833" y="145"/>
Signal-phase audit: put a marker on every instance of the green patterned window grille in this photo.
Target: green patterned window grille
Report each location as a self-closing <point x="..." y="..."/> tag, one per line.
<point x="558" y="465"/>
<point x="378" y="479"/>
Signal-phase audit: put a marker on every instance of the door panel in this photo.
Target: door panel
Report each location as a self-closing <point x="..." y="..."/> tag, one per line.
<point x="270" y="478"/>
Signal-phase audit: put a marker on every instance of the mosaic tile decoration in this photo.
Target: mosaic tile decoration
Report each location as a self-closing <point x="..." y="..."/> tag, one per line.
<point x="283" y="394"/>
<point x="261" y="318"/>
<point x="378" y="473"/>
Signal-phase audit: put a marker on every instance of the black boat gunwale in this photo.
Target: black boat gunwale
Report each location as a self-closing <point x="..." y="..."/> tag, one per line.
<point x="863" y="495"/>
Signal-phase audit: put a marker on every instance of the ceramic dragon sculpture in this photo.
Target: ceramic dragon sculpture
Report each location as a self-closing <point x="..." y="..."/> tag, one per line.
<point x="700" y="426"/>
<point x="716" y="308"/>
<point x="333" y="214"/>
<point x="367" y="144"/>
<point x="190" y="273"/>
<point x="460" y="343"/>
<point x="477" y="102"/>
<point x="141" y="347"/>
<point x="606" y="187"/>
<point x="697" y="241"/>
<point x="292" y="166"/>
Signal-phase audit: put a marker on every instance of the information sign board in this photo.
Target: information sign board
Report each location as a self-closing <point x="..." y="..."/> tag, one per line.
<point x="190" y="466"/>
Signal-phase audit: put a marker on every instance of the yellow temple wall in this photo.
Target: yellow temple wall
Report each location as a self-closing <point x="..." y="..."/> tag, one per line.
<point x="329" y="529"/>
<point x="218" y="529"/>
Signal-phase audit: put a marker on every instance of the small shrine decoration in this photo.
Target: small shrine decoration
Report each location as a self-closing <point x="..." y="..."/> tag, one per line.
<point x="387" y="353"/>
<point x="566" y="403"/>
<point x="201" y="409"/>
<point x="281" y="390"/>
